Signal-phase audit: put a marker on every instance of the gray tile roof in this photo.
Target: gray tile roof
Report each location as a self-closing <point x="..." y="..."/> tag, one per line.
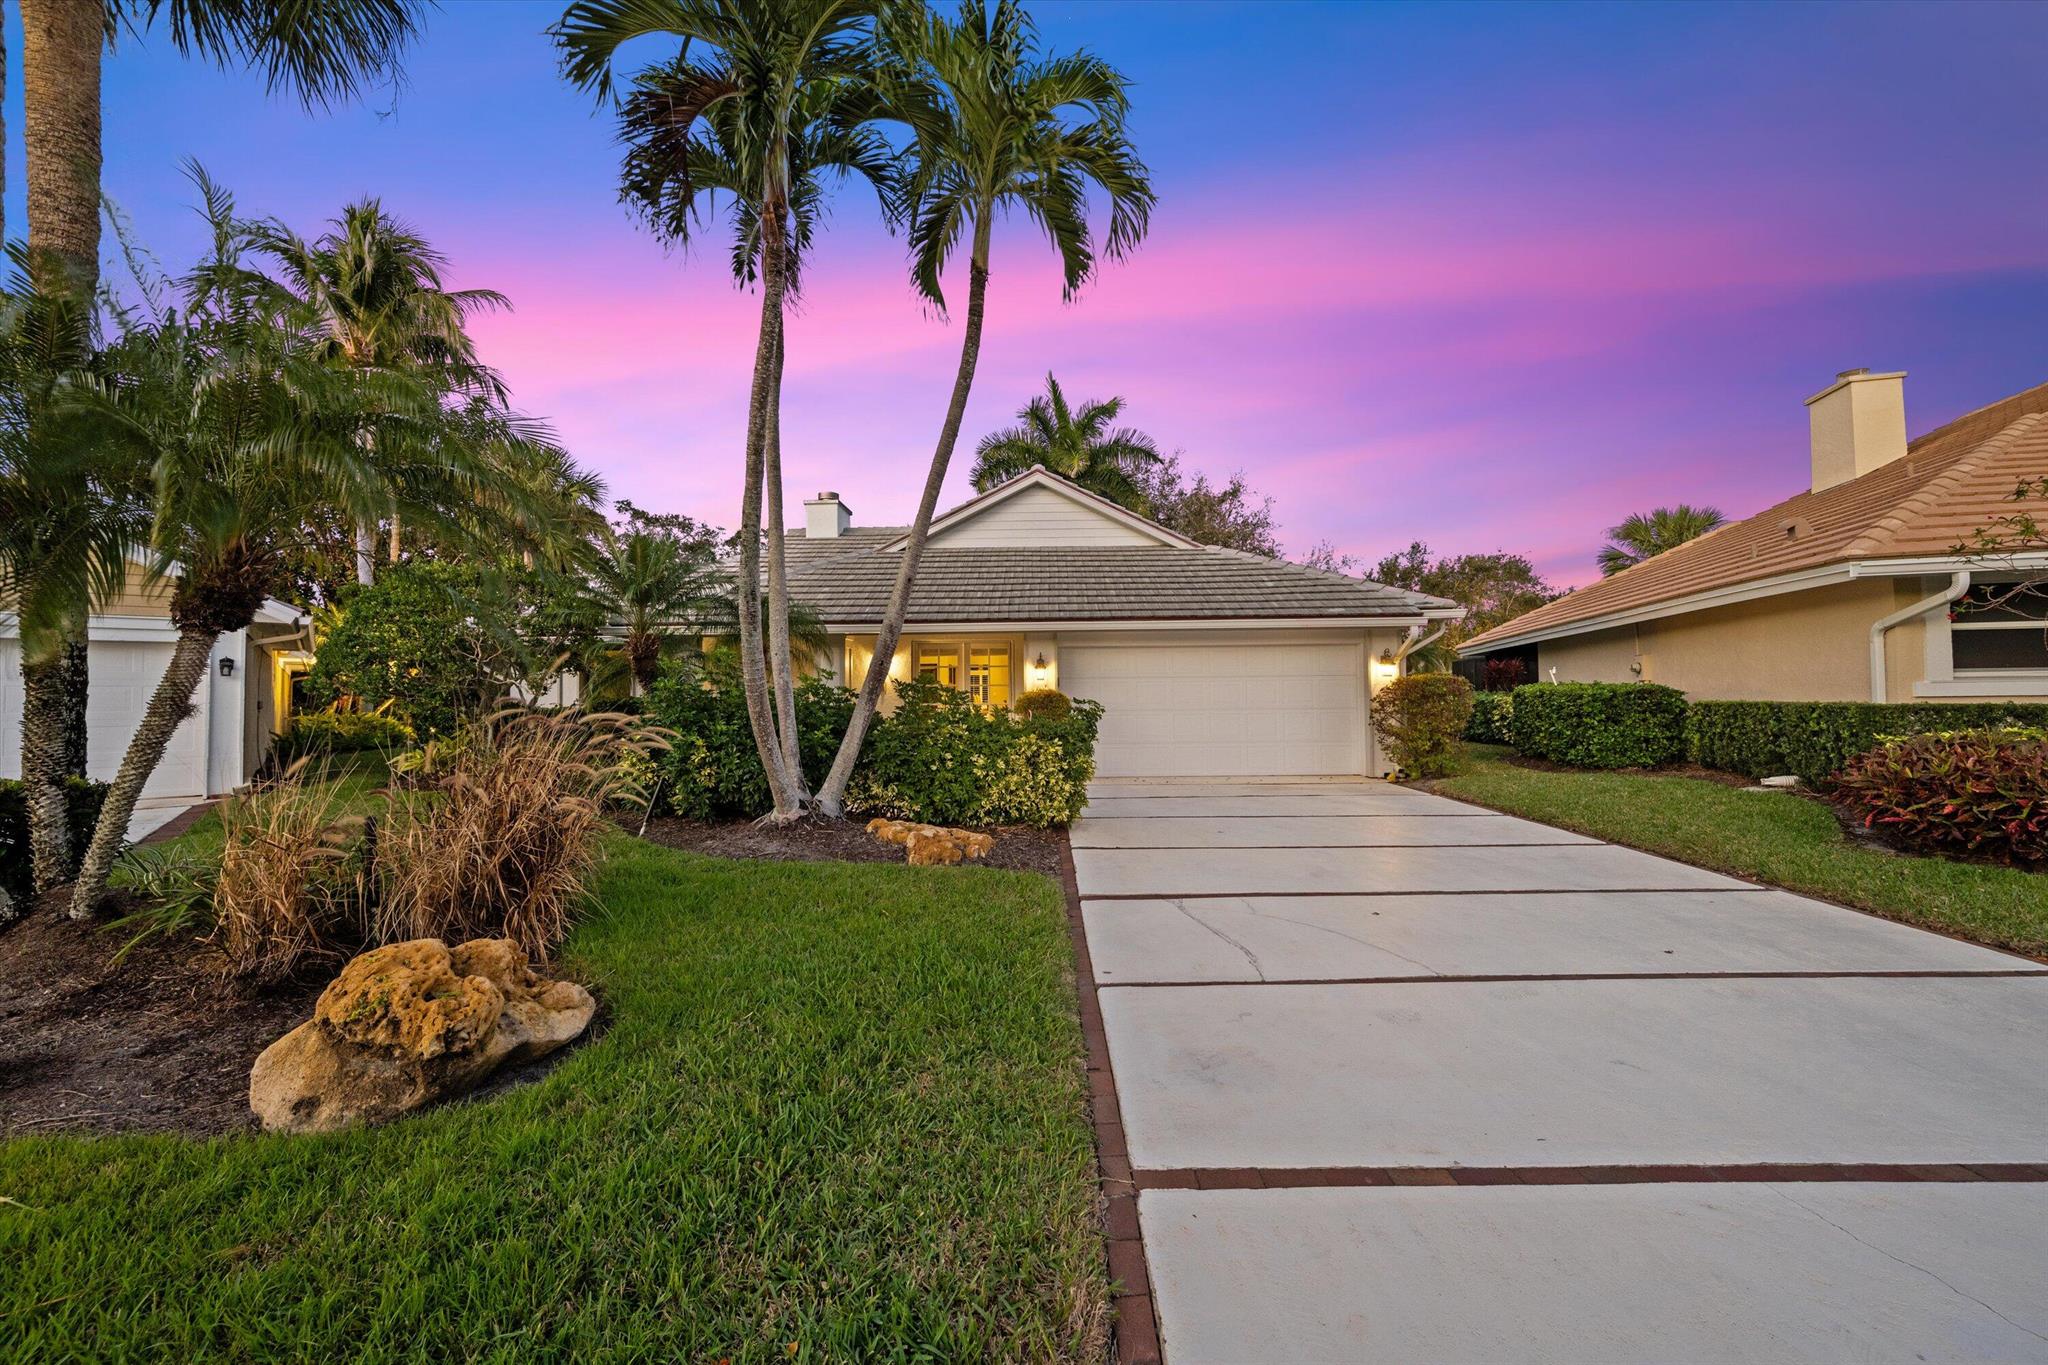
<point x="847" y="579"/>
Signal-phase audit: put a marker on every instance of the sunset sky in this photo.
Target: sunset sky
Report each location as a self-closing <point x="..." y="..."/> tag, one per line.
<point x="1488" y="277"/>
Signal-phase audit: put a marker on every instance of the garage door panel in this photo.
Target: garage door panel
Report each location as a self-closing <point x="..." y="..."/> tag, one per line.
<point x="1190" y="709"/>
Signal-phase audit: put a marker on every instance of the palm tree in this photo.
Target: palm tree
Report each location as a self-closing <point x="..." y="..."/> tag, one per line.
<point x="766" y="97"/>
<point x="995" y="128"/>
<point x="1075" y="444"/>
<point x="656" y="588"/>
<point x="370" y="289"/>
<point x="65" y="525"/>
<point x="249" y="434"/>
<point x="323" y="52"/>
<point x="1645" y="534"/>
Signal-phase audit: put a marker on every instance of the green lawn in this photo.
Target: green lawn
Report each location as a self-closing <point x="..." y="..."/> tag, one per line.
<point x="1783" y="839"/>
<point x="837" y="1112"/>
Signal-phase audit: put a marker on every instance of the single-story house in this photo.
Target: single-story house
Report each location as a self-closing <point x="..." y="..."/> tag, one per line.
<point x="1208" y="662"/>
<point x="243" y="702"/>
<point x="1851" y="590"/>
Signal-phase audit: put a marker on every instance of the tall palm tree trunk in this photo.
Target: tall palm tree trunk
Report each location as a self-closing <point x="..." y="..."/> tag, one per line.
<point x="832" y="795"/>
<point x="168" y="705"/>
<point x="43" y="769"/>
<point x="780" y="672"/>
<point x="60" y="59"/>
<point x="753" y="660"/>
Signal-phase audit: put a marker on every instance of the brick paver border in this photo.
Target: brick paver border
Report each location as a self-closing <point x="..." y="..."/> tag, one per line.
<point x="1136" y="1328"/>
<point x="1324" y="1177"/>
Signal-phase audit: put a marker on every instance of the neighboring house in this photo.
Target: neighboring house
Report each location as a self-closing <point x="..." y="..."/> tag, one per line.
<point x="1208" y="662"/>
<point x="1849" y="591"/>
<point x="243" y="702"/>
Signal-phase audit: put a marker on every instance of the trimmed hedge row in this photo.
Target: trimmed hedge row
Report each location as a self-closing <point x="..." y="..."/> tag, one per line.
<point x="1816" y="739"/>
<point x="1599" y="725"/>
<point x="1490" y="714"/>
<point x="83" y="800"/>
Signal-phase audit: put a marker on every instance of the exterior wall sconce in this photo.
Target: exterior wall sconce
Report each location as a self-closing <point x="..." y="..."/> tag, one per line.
<point x="1039" y="662"/>
<point x="227" y="668"/>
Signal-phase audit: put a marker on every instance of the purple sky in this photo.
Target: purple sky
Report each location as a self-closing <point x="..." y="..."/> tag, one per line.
<point x="1487" y="277"/>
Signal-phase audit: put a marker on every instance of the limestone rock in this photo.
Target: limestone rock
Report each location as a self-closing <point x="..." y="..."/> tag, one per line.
<point x="929" y="845"/>
<point x="408" y="1024"/>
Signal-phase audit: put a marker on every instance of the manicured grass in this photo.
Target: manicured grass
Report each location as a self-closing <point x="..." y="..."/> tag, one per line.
<point x="837" y="1112"/>
<point x="1787" y="840"/>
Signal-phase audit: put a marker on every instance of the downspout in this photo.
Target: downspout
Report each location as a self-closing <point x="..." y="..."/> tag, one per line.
<point x="1414" y="640"/>
<point x="1958" y="584"/>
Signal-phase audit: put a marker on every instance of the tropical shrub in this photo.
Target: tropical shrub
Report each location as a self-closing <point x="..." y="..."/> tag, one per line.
<point x="1816" y="739"/>
<point x="1599" y="725"/>
<point x="712" y="768"/>
<point x="335" y="731"/>
<point x="941" y="757"/>
<point x="1503" y="675"/>
<point x="1980" y="793"/>
<point x="174" y="883"/>
<point x="82" y="802"/>
<point x="437" y="644"/>
<point x="1420" y="718"/>
<point x="1043" y="703"/>
<point x="505" y="845"/>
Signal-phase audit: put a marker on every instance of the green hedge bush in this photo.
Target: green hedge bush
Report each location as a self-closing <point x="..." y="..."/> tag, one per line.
<point x="82" y="800"/>
<point x="1816" y="739"/>
<point x="713" y="770"/>
<point x="1599" y="725"/>
<point x="1490" y="713"/>
<point x="342" y="732"/>
<point x="1421" y="718"/>
<point x="940" y="757"/>
<point x="937" y="757"/>
<point x="1980" y="794"/>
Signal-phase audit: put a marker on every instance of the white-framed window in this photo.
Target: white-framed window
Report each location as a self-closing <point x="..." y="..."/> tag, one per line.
<point x="1993" y="641"/>
<point x="981" y="669"/>
<point x="1999" y="628"/>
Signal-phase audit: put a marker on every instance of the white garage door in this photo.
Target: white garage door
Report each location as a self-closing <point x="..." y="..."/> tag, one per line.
<point x="124" y="674"/>
<point x="1223" y="710"/>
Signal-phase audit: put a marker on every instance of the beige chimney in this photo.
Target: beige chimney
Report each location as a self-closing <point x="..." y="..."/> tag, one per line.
<point x="826" y="517"/>
<point x="1859" y="424"/>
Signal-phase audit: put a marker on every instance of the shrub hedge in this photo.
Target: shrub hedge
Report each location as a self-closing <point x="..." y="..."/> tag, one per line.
<point x="1421" y="718"/>
<point x="937" y="757"/>
<point x="1816" y="739"/>
<point x="342" y="732"/>
<point x="1982" y="793"/>
<point x="83" y="800"/>
<point x="1599" y="725"/>
<point x="942" y="758"/>
<point x="713" y="770"/>
<point x="1490" y="713"/>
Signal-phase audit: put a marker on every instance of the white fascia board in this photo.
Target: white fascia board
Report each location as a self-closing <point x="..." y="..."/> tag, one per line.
<point x="1039" y="477"/>
<point x="1147" y="623"/>
<point x="1677" y="606"/>
<point x="1801" y="581"/>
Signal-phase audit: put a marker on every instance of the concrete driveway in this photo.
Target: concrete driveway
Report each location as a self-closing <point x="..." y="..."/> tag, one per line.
<point x="1399" y="1079"/>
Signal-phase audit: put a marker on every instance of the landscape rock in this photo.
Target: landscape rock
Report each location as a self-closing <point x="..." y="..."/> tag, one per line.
<point x="932" y="845"/>
<point x="408" y="1024"/>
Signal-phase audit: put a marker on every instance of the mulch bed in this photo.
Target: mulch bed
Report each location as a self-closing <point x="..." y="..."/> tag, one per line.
<point x="155" y="1044"/>
<point x="1692" y="770"/>
<point x="1018" y="848"/>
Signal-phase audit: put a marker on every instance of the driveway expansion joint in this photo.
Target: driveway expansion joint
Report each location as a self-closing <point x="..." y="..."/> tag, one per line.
<point x="1755" y="1173"/>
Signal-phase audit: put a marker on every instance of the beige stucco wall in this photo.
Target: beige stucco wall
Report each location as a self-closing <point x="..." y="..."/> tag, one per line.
<point x="1803" y="646"/>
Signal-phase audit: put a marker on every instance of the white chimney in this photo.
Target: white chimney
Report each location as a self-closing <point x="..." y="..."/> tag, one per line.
<point x="826" y="517"/>
<point x="1859" y="424"/>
